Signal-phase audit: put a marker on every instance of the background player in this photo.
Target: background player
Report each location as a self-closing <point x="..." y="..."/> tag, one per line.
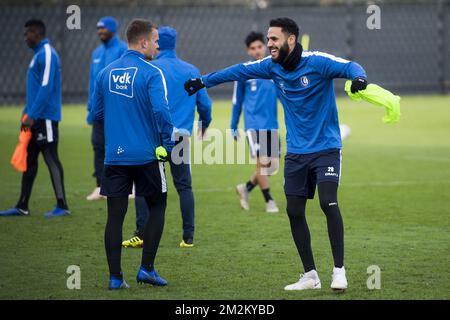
<point x="258" y="98"/>
<point x="108" y="51"/>
<point x="43" y="110"/>
<point x="182" y="110"/>
<point x="305" y="87"/>
<point x="131" y="97"/>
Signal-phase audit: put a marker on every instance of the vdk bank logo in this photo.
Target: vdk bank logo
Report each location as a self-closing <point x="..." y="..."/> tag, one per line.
<point x="121" y="81"/>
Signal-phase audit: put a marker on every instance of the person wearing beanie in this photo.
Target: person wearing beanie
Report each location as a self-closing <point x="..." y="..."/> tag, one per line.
<point x="110" y="49"/>
<point x="182" y="109"/>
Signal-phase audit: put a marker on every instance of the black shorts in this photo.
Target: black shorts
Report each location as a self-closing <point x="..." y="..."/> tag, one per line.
<point x="44" y="131"/>
<point x="302" y="172"/>
<point x="149" y="180"/>
<point x="263" y="143"/>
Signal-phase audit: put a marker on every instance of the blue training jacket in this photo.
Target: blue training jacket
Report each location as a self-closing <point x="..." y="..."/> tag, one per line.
<point x="44" y="84"/>
<point x="103" y="55"/>
<point x="258" y="98"/>
<point x="307" y="96"/>
<point x="131" y="98"/>
<point x="182" y="106"/>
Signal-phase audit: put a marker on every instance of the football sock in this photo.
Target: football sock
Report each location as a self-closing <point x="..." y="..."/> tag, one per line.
<point x="153" y="229"/>
<point x="250" y="186"/>
<point x="329" y="205"/>
<point x="117" y="208"/>
<point x="266" y="194"/>
<point x="300" y="232"/>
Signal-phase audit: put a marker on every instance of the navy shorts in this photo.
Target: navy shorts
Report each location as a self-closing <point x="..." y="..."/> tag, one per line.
<point x="302" y="172"/>
<point x="44" y="131"/>
<point x="149" y="180"/>
<point x="264" y="143"/>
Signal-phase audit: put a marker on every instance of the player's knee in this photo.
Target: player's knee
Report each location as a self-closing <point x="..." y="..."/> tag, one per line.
<point x="295" y="207"/>
<point x="327" y="203"/>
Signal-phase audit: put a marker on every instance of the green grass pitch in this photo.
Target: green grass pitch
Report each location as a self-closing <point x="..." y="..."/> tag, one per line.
<point x="394" y="197"/>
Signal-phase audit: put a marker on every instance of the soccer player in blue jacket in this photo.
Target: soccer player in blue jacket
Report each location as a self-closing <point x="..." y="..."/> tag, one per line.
<point x="304" y="83"/>
<point x="43" y="107"/>
<point x="108" y="51"/>
<point x="182" y="110"/>
<point x="258" y="98"/>
<point x="131" y="99"/>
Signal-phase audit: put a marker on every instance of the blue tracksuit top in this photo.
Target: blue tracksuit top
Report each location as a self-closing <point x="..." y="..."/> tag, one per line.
<point x="44" y="84"/>
<point x="103" y="55"/>
<point x="307" y="96"/>
<point x="131" y="98"/>
<point x="182" y="106"/>
<point x="258" y="98"/>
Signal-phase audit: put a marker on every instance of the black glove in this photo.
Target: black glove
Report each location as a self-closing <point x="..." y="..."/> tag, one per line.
<point x="358" y="84"/>
<point x="193" y="85"/>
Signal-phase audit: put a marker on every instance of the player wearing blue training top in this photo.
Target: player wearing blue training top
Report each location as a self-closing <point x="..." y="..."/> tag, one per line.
<point x="43" y="108"/>
<point x="109" y="50"/>
<point x="304" y="83"/>
<point x="182" y="110"/>
<point x="258" y="99"/>
<point x="131" y="98"/>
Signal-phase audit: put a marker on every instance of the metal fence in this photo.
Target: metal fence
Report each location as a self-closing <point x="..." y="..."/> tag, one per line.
<point x="409" y="54"/>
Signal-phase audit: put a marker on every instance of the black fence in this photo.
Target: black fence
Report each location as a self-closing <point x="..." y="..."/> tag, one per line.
<point x="409" y="54"/>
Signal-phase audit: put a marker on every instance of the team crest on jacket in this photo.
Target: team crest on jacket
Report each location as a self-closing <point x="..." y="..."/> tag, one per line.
<point x="121" y="81"/>
<point x="304" y="81"/>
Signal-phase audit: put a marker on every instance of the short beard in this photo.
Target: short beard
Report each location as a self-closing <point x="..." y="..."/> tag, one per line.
<point x="283" y="52"/>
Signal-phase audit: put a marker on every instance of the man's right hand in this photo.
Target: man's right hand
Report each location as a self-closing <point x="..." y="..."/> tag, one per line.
<point x="193" y="85"/>
<point x="162" y="154"/>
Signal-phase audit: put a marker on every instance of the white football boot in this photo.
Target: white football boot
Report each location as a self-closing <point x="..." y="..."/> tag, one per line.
<point x="309" y="280"/>
<point x="271" y="207"/>
<point x="241" y="190"/>
<point x="338" y="280"/>
<point x="95" y="195"/>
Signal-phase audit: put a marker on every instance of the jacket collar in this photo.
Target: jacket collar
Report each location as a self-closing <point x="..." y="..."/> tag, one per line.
<point x="134" y="53"/>
<point x="169" y="53"/>
<point x="293" y="59"/>
<point x="40" y="45"/>
<point x="111" y="42"/>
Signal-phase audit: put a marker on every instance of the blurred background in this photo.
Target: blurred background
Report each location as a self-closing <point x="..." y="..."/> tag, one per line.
<point x="409" y="54"/>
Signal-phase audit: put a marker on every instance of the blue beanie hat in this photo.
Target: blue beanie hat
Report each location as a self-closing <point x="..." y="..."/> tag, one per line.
<point x="167" y="38"/>
<point x="109" y="23"/>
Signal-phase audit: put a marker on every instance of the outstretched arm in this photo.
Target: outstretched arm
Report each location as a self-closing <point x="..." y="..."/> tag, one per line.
<point x="259" y="69"/>
<point x="334" y="67"/>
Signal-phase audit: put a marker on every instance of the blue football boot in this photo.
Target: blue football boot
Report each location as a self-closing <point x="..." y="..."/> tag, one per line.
<point x="150" y="277"/>
<point x="57" y="212"/>
<point x="14" y="212"/>
<point x="117" y="283"/>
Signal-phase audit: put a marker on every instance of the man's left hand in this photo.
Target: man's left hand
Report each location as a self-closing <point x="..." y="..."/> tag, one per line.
<point x="358" y="84"/>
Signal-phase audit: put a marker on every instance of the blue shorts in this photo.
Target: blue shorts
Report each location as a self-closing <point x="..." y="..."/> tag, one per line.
<point x="302" y="172"/>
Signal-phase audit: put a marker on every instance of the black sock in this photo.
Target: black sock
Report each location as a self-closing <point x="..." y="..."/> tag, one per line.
<point x="300" y="231"/>
<point x="117" y="208"/>
<point x="250" y="185"/>
<point x="153" y="229"/>
<point x="266" y="194"/>
<point x="329" y="205"/>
